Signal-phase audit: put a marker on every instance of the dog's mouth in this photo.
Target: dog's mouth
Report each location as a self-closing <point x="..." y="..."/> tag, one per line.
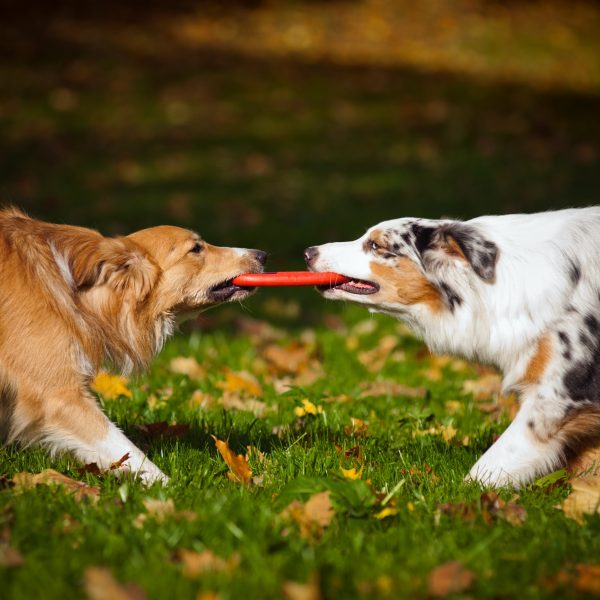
<point x="359" y="287"/>
<point x="227" y="290"/>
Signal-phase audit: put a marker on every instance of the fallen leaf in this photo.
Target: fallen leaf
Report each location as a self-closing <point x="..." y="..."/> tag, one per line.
<point x="447" y="432"/>
<point x="313" y="516"/>
<point x="353" y="473"/>
<point x="308" y="408"/>
<point x="391" y="388"/>
<point x="449" y="578"/>
<point x="231" y="401"/>
<point x="240" y="470"/>
<point x="94" y="469"/>
<point x="357" y="427"/>
<point x="110" y="387"/>
<point x="466" y="512"/>
<point x="584" y="499"/>
<point x="494" y="506"/>
<point x="9" y="556"/>
<point x="293" y="590"/>
<point x="78" y="489"/>
<point x="161" y="510"/>
<point x="241" y="382"/>
<point x="187" y="365"/>
<point x="291" y="359"/>
<point x="198" y="563"/>
<point x="587" y="464"/>
<point x="587" y="579"/>
<point x="200" y="399"/>
<point x="99" y="584"/>
<point x="388" y="511"/>
<point x="374" y="360"/>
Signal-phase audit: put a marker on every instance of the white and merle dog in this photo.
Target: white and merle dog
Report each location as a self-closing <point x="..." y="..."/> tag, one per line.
<point x="520" y="292"/>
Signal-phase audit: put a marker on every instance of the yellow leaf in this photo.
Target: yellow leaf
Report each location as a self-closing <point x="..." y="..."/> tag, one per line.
<point x="358" y="427"/>
<point x="307" y="408"/>
<point x="79" y="489"/>
<point x="374" y="360"/>
<point x="240" y="470"/>
<point x="241" y="382"/>
<point x="388" y="511"/>
<point x="110" y="386"/>
<point x="353" y="473"/>
<point x="391" y="388"/>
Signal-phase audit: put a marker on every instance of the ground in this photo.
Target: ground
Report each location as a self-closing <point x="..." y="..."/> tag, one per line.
<point x="138" y="116"/>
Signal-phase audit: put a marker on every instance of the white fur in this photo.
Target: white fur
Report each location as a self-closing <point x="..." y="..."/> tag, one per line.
<point x="501" y="322"/>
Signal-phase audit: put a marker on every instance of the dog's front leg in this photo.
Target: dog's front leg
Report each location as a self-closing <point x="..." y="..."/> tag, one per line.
<point x="77" y="424"/>
<point x="529" y="448"/>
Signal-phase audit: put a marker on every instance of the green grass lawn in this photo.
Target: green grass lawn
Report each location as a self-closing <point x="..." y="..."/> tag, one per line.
<point x="357" y="555"/>
<point x="109" y="119"/>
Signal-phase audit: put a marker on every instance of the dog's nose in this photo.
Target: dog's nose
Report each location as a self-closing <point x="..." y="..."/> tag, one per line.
<point x="310" y="254"/>
<point x="261" y="256"/>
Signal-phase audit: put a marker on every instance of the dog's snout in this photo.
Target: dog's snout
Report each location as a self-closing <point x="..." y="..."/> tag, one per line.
<point x="260" y="255"/>
<point x="310" y="254"/>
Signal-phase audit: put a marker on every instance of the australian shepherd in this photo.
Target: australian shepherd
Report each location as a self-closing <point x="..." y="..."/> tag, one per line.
<point x="72" y="300"/>
<point x="520" y="292"/>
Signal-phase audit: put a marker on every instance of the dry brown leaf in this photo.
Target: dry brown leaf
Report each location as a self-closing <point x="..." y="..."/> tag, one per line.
<point x="493" y="506"/>
<point x="187" y="365"/>
<point x="99" y="584"/>
<point x="239" y="469"/>
<point x="78" y="489"/>
<point x="94" y="469"/>
<point x="161" y="510"/>
<point x="357" y="427"/>
<point x="391" y="388"/>
<point x="9" y="556"/>
<point x="293" y="590"/>
<point x="313" y="516"/>
<point x="291" y="359"/>
<point x="200" y="399"/>
<point x="584" y="499"/>
<point x="374" y="360"/>
<point x="449" y="578"/>
<point x="240" y="382"/>
<point x="198" y="563"/>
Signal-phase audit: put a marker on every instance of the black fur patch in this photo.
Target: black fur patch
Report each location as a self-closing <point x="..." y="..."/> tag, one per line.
<point x="451" y="296"/>
<point x="582" y="381"/>
<point x="423" y="236"/>
<point x="481" y="254"/>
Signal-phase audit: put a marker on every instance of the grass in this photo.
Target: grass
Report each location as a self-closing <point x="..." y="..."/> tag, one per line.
<point x="358" y="555"/>
<point x="111" y="119"/>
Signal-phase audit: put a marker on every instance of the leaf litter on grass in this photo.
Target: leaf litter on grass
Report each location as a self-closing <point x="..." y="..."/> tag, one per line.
<point x="78" y="489"/>
<point x="99" y="584"/>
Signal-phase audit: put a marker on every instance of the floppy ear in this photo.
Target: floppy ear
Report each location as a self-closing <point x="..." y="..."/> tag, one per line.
<point x="459" y="239"/>
<point x="116" y="262"/>
<point x="462" y="241"/>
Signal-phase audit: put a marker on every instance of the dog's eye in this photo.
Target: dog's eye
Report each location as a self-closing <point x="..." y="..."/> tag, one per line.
<point x="374" y="246"/>
<point x="196" y="249"/>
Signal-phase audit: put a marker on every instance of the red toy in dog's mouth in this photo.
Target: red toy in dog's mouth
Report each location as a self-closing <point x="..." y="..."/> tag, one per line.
<point x="323" y="281"/>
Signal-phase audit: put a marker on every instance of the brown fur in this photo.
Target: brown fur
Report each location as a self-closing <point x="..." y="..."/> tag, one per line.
<point x="537" y="365"/>
<point x="579" y="432"/>
<point x="71" y="300"/>
<point x="405" y="284"/>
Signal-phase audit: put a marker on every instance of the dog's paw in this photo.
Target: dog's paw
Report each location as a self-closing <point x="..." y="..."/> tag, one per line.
<point x="150" y="476"/>
<point x="493" y="476"/>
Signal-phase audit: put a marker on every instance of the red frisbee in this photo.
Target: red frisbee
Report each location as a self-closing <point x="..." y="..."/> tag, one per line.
<point x="289" y="278"/>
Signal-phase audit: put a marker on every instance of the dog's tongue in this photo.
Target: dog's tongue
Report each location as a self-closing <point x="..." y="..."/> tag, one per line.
<point x="360" y="284"/>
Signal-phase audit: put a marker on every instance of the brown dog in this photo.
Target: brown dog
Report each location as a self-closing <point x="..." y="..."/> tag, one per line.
<point x="71" y="300"/>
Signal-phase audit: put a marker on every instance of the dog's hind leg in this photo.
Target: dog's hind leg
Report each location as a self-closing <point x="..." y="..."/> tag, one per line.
<point x="522" y="453"/>
<point x="72" y="421"/>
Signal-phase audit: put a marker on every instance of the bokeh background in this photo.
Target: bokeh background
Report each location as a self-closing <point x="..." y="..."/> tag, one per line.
<point x="279" y="124"/>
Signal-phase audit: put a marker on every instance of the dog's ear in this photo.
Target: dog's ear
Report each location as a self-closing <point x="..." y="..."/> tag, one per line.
<point x="459" y="240"/>
<point x="115" y="262"/>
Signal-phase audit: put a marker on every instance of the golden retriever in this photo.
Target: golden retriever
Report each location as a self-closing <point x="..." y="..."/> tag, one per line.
<point x="72" y="300"/>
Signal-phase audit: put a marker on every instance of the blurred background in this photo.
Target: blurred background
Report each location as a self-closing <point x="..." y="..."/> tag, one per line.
<point x="280" y="124"/>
